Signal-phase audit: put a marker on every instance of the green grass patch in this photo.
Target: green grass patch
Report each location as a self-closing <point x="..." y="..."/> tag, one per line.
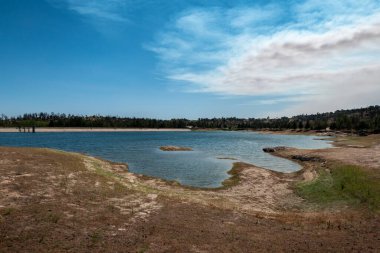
<point x="235" y="176"/>
<point x="344" y="183"/>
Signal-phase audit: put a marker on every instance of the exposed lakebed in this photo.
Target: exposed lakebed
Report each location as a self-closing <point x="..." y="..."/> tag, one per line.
<point x="201" y="167"/>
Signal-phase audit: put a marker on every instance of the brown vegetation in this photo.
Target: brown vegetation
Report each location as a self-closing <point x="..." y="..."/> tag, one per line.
<point x="53" y="201"/>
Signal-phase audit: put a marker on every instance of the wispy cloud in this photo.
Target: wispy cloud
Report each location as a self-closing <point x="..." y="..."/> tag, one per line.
<point x="108" y="17"/>
<point x="328" y="48"/>
<point x="104" y="15"/>
<point x="108" y="10"/>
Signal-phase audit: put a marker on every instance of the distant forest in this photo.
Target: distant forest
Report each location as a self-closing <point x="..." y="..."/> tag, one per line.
<point x="367" y="119"/>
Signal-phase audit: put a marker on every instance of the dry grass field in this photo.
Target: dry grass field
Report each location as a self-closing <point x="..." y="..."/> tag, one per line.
<point x="53" y="201"/>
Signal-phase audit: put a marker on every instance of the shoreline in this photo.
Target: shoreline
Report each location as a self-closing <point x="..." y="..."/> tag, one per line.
<point x="108" y="205"/>
<point x="95" y="129"/>
<point x="110" y="129"/>
<point x="254" y="189"/>
<point x="237" y="173"/>
<point x="237" y="167"/>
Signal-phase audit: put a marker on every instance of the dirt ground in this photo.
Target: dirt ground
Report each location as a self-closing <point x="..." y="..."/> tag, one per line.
<point x="52" y="201"/>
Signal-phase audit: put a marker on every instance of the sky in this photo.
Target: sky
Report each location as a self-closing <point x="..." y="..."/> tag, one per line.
<point x="188" y="59"/>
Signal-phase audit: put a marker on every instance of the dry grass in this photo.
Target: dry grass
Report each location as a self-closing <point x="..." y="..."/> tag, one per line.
<point x="357" y="141"/>
<point x="54" y="201"/>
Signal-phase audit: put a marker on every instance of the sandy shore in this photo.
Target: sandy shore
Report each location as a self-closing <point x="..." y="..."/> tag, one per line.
<point x="85" y="129"/>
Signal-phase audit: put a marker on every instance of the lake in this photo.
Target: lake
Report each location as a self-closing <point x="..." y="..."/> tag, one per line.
<point x="200" y="167"/>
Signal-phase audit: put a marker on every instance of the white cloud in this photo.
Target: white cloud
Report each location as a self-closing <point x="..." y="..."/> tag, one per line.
<point x="244" y="18"/>
<point x="107" y="10"/>
<point x="329" y="48"/>
<point x="108" y="17"/>
<point x="97" y="10"/>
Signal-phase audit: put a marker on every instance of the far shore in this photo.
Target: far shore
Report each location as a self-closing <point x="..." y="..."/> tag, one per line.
<point x="91" y="129"/>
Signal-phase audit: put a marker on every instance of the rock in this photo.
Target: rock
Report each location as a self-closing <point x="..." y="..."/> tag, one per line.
<point x="175" y="148"/>
<point x="271" y="150"/>
<point x="268" y="150"/>
<point x="307" y="158"/>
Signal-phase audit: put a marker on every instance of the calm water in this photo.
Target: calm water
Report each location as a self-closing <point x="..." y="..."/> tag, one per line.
<point x="200" y="167"/>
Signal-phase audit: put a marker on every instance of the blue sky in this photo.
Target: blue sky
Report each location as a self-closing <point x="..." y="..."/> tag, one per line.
<point x="166" y="59"/>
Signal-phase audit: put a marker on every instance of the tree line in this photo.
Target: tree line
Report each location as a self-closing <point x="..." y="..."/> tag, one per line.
<point x="344" y="120"/>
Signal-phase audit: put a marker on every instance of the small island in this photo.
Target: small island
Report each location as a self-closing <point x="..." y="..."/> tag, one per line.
<point x="175" y="148"/>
